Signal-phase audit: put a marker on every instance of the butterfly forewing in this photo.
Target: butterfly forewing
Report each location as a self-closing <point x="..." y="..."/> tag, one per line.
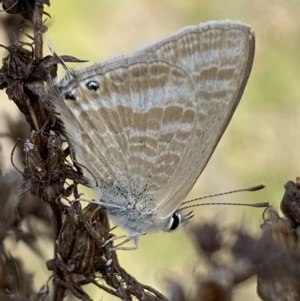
<point x="149" y="130"/>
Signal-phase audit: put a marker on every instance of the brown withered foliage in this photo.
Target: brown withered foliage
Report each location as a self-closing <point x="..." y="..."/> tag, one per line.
<point x="274" y="257"/>
<point x="44" y="190"/>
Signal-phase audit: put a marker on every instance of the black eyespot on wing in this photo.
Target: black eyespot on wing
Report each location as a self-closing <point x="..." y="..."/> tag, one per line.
<point x="70" y="96"/>
<point x="93" y="85"/>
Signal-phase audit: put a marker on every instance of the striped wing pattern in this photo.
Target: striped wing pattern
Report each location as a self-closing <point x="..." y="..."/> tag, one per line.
<point x="150" y="128"/>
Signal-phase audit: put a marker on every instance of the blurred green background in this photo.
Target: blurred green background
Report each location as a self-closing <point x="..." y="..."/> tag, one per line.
<point x="261" y="144"/>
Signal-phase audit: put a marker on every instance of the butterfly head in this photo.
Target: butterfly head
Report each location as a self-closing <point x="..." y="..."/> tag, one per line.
<point x="136" y="220"/>
<point x="177" y="220"/>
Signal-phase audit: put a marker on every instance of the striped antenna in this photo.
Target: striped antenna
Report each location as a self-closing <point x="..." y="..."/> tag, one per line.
<point x="250" y="189"/>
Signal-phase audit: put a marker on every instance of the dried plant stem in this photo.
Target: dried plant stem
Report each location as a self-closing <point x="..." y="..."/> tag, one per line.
<point x="38" y="28"/>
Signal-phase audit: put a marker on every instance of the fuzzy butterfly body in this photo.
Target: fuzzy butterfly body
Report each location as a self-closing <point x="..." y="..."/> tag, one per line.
<point x="146" y="124"/>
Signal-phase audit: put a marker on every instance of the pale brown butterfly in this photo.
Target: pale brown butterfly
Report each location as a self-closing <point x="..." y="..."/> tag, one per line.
<point x="146" y="124"/>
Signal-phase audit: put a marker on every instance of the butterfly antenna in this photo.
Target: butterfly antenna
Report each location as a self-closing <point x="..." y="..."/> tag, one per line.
<point x="250" y="189"/>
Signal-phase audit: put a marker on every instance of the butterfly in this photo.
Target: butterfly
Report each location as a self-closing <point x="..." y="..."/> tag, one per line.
<point x="145" y="124"/>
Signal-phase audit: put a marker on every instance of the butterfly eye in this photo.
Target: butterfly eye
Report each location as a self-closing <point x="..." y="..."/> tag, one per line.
<point x="174" y="222"/>
<point x="93" y="85"/>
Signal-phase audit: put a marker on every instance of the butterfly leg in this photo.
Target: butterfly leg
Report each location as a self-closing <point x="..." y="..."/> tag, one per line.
<point x="134" y="247"/>
<point x="128" y="237"/>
